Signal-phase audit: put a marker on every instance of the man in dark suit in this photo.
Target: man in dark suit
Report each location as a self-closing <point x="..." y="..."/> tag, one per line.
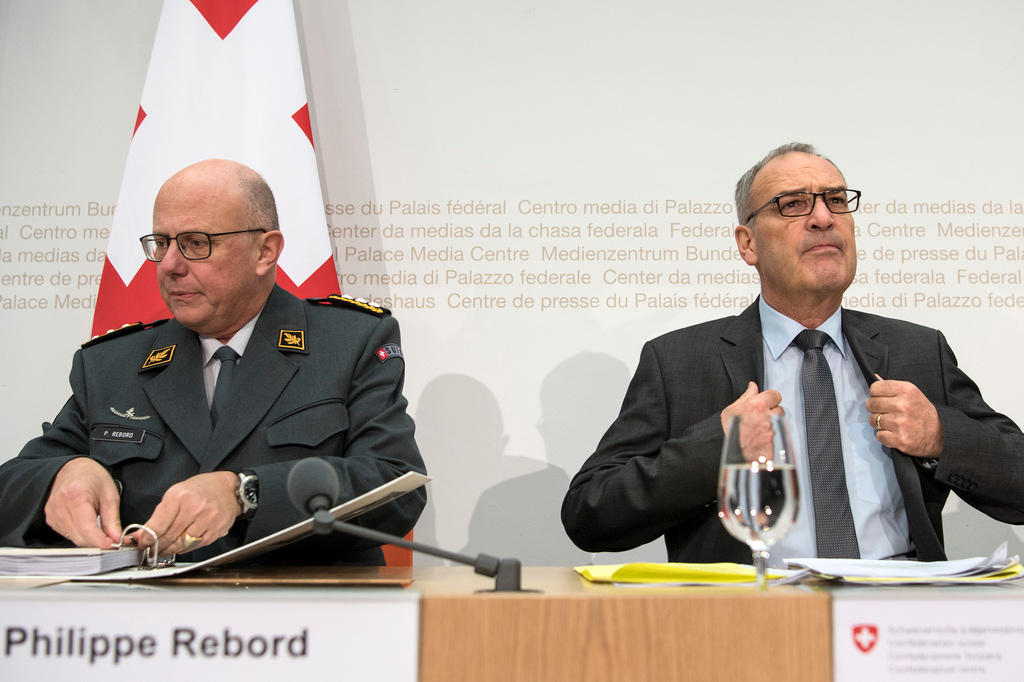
<point x="913" y="426"/>
<point x="138" y="440"/>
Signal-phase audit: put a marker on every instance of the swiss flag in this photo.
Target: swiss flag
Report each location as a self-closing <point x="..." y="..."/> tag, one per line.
<point x="224" y="81"/>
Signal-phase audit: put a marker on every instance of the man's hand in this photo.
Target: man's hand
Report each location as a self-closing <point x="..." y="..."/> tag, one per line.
<point x="204" y="507"/>
<point x="756" y="432"/>
<point x="904" y="419"/>
<point x="81" y="491"/>
<point x="753" y="402"/>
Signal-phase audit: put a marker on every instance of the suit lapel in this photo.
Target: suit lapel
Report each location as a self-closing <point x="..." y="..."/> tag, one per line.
<point x="873" y="358"/>
<point x="743" y="354"/>
<point x="177" y="391"/>
<point x="259" y="380"/>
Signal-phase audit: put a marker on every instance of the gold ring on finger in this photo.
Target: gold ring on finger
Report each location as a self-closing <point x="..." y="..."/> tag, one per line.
<point x="189" y="542"/>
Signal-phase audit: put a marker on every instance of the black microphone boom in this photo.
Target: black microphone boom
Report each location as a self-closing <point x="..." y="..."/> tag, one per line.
<point x="313" y="488"/>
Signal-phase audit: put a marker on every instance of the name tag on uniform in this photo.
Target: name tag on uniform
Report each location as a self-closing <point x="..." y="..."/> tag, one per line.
<point x="117" y="434"/>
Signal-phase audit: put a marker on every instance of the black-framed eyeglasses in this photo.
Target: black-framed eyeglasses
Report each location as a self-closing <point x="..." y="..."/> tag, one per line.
<point x="794" y="204"/>
<point x="193" y="245"/>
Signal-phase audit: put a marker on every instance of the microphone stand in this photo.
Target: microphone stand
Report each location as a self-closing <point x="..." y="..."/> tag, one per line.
<point x="506" y="572"/>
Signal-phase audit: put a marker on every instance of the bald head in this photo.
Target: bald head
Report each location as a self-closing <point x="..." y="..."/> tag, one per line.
<point x="218" y="294"/>
<point x="220" y="180"/>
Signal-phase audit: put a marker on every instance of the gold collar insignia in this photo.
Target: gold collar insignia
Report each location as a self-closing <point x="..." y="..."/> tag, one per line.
<point x="292" y="339"/>
<point x="159" y="357"/>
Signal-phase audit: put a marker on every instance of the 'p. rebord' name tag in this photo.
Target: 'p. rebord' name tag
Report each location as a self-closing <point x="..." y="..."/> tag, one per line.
<point x="117" y="434"/>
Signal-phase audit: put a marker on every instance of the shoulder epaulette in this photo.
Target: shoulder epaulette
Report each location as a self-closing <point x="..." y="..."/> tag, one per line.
<point x="129" y="328"/>
<point x="349" y="302"/>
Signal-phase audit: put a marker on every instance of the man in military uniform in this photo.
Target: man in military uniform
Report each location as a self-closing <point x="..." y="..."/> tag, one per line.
<point x="148" y="435"/>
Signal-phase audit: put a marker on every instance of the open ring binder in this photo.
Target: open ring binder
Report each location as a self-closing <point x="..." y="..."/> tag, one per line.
<point x="148" y="559"/>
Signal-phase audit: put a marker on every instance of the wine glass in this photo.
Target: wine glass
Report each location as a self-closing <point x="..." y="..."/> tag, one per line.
<point x="758" y="495"/>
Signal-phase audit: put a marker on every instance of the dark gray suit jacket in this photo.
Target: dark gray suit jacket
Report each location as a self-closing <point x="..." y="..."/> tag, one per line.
<point x="333" y="397"/>
<point x="655" y="470"/>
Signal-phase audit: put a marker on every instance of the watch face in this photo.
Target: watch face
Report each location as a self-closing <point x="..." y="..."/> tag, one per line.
<point x="248" y="491"/>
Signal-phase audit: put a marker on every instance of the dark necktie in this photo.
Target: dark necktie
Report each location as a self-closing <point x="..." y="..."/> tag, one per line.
<point x="833" y="520"/>
<point x="228" y="357"/>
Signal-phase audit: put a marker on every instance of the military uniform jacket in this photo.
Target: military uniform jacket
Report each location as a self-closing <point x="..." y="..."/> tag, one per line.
<point x="316" y="380"/>
<point x="655" y="470"/>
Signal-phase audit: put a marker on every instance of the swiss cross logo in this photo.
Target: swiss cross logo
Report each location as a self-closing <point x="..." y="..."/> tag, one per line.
<point x="391" y="350"/>
<point x="865" y="637"/>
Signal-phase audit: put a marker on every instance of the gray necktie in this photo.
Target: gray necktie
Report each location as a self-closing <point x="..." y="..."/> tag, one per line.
<point x="228" y="357"/>
<point x="833" y="520"/>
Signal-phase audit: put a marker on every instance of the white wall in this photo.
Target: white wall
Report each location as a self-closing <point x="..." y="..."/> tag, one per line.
<point x="561" y="102"/>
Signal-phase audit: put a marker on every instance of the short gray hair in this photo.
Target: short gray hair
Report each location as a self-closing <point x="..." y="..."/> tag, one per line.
<point x="262" y="207"/>
<point x="746" y="183"/>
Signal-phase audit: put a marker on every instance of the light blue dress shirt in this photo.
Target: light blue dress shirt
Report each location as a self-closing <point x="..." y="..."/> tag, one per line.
<point x="875" y="497"/>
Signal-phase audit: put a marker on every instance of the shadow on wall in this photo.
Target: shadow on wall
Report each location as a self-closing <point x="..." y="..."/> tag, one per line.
<point x="580" y="398"/>
<point x="460" y="433"/>
<point x="327" y="41"/>
<point x="512" y="504"/>
<point x="969" y="533"/>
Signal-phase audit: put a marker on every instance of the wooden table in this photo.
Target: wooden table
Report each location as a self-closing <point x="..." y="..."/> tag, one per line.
<point x="574" y="630"/>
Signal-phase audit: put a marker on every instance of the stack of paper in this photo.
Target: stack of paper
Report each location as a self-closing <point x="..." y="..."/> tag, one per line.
<point x="65" y="561"/>
<point x="991" y="569"/>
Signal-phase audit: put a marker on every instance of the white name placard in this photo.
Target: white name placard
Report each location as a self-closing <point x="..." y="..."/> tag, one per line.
<point x="248" y="634"/>
<point x="955" y="634"/>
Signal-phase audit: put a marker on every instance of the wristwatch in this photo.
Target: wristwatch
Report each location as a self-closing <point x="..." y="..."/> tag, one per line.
<point x="248" y="493"/>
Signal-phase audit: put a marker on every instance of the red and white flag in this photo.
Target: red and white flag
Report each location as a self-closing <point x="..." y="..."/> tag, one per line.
<point x="224" y="81"/>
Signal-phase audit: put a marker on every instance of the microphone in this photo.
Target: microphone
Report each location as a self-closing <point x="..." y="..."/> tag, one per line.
<point x="313" y="485"/>
<point x="313" y="488"/>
